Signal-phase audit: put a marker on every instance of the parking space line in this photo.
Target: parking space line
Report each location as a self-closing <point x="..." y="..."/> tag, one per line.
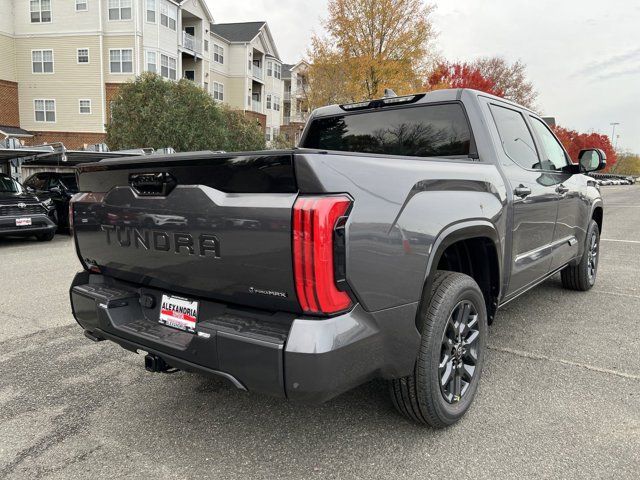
<point x="629" y="295"/>
<point x="616" y="240"/>
<point x="538" y="356"/>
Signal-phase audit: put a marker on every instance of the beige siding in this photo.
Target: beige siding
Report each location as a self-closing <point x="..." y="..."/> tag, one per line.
<point x="7" y="64"/>
<point x="69" y="83"/>
<point x="64" y="19"/>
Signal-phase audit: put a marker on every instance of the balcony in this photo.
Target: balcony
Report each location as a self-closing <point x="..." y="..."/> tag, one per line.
<point x="287" y="96"/>
<point x="189" y="42"/>
<point x="257" y="72"/>
<point x="256" y="106"/>
<point x="296" y="118"/>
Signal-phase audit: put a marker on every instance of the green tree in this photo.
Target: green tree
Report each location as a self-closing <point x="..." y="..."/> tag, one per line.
<point x="153" y="112"/>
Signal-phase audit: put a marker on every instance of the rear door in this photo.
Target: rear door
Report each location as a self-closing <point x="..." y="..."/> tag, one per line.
<point x="535" y="201"/>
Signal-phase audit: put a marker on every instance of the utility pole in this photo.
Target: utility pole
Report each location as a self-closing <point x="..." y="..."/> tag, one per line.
<point x="613" y="131"/>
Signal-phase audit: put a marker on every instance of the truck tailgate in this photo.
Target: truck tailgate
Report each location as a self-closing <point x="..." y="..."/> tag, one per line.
<point x="203" y="225"/>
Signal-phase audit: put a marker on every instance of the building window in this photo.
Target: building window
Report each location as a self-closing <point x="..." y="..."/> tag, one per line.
<point x="268" y="102"/>
<point x="81" y="6"/>
<point x="267" y="134"/>
<point x="277" y="70"/>
<point x="206" y="86"/>
<point x="42" y="61"/>
<point x="168" y="67"/>
<point x="85" y="107"/>
<point x="269" y="69"/>
<point x="151" y="11"/>
<point x="218" y="54"/>
<point x="83" y="55"/>
<point x="45" y="110"/>
<point x="168" y="15"/>
<point x="119" y="9"/>
<point x="152" y="63"/>
<point x="121" y="61"/>
<point x="206" y="45"/>
<point x="276" y="103"/>
<point x="218" y="91"/>
<point x="40" y="11"/>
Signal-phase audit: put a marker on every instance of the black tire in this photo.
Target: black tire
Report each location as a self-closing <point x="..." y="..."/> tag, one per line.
<point x="45" y="237"/>
<point x="582" y="276"/>
<point x="420" y="396"/>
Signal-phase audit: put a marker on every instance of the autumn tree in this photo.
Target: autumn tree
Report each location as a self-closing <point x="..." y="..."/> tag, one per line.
<point x="157" y="113"/>
<point x="461" y="75"/>
<point x="370" y="45"/>
<point x="490" y="74"/>
<point x="575" y="141"/>
<point x="509" y="78"/>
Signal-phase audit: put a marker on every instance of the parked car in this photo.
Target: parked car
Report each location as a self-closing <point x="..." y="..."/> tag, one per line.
<point x="24" y="214"/>
<point x="410" y="221"/>
<point x="59" y="187"/>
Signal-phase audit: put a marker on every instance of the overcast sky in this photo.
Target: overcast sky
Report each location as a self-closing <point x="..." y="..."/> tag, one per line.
<point x="583" y="56"/>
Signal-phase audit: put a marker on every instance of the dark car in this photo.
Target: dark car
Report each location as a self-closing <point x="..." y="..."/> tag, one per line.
<point x="24" y="214"/>
<point x="383" y="247"/>
<point x="59" y="187"/>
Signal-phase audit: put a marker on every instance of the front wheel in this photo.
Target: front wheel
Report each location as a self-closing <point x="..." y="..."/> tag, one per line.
<point x="449" y="364"/>
<point x="582" y="276"/>
<point x="45" y="237"/>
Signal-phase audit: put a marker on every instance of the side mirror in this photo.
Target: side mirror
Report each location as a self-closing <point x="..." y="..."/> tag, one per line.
<point x="592" y="159"/>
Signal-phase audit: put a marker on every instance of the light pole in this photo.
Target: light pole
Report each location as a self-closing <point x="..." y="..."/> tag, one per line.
<point x="613" y="131"/>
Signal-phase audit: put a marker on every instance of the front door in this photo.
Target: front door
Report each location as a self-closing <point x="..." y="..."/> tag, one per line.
<point x="535" y="201"/>
<point x="569" y="233"/>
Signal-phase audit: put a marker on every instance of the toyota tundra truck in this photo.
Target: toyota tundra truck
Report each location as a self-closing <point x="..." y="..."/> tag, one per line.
<point x="382" y="247"/>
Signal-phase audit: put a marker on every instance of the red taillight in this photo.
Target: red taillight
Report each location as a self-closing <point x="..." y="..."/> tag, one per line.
<point x="314" y="223"/>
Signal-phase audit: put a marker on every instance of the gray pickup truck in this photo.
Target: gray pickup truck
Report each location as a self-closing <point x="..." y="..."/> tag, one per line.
<point x="383" y="247"/>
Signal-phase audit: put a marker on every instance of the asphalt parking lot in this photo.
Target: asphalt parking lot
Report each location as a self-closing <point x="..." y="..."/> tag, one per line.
<point x="559" y="398"/>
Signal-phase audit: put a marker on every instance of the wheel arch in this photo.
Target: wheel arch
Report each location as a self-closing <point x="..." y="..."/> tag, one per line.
<point x="597" y="214"/>
<point x="470" y="234"/>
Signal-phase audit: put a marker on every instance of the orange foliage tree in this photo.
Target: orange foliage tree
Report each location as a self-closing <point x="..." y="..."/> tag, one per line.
<point x="370" y="45"/>
<point x="461" y="75"/>
<point x="575" y="141"/>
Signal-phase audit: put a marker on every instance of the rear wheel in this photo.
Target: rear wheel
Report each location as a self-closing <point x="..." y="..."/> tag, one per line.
<point x="583" y="275"/>
<point x="454" y="335"/>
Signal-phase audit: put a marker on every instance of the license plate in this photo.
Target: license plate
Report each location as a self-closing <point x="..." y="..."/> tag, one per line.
<point x="180" y="313"/>
<point x="23" y="222"/>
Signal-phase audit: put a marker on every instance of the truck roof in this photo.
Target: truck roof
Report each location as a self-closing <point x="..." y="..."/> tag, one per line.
<point x="443" y="95"/>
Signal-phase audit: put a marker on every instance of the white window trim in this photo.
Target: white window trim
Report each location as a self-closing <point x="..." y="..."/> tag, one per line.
<point x="133" y="61"/>
<point x="86" y="2"/>
<point x="78" y="56"/>
<point x="220" y="87"/>
<point x="80" y="106"/>
<point x="155" y="10"/>
<point x="45" y="100"/>
<point x="146" y="61"/>
<point x="221" y="47"/>
<point x="53" y="61"/>
<point x="50" y="10"/>
<point x="120" y="19"/>
<point x="169" y="58"/>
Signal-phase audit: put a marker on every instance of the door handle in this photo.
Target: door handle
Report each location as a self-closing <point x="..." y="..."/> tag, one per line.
<point x="522" y="191"/>
<point x="562" y="189"/>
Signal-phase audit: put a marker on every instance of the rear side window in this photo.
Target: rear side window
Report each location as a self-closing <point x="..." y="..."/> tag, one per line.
<point x="515" y="136"/>
<point x="425" y="131"/>
<point x="69" y="181"/>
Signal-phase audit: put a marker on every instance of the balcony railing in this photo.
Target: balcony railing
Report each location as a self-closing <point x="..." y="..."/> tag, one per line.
<point x="256" y="106"/>
<point x="257" y="72"/>
<point x="296" y="118"/>
<point x="189" y="42"/>
<point x="287" y="96"/>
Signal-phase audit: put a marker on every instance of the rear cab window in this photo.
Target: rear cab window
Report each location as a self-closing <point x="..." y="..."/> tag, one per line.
<point x="430" y="130"/>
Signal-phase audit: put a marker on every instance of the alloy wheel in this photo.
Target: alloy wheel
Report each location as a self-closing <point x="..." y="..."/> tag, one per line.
<point x="592" y="257"/>
<point x="459" y="351"/>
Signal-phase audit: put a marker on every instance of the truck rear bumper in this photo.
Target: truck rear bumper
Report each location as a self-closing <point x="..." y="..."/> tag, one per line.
<point x="279" y="354"/>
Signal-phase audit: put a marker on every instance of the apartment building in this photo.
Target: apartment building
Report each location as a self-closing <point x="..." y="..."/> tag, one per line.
<point x="296" y="106"/>
<point x="62" y="62"/>
<point x="246" y="72"/>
